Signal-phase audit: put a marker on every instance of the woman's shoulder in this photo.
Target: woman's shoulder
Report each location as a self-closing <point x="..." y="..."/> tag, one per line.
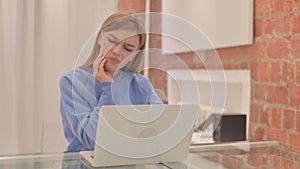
<point x="76" y="74"/>
<point x="136" y="77"/>
<point x="139" y="80"/>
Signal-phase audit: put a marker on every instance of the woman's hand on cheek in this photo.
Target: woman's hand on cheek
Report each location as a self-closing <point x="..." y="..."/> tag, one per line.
<point x="99" y="72"/>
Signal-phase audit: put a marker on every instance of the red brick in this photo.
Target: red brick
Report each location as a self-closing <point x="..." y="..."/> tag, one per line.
<point x="133" y="5"/>
<point x="276" y="117"/>
<point x="264" y="71"/>
<point x="257" y="159"/>
<point x="155" y="39"/>
<point x="245" y="65"/>
<point x="277" y="94"/>
<point x="296" y="5"/>
<point x="157" y="60"/>
<point x="265" y="115"/>
<point x="281" y="6"/>
<point x="295" y="95"/>
<point x="180" y="61"/>
<point x="275" y="151"/>
<point x="297" y="71"/>
<point x="289" y="5"/>
<point x="189" y="59"/>
<point x="158" y="79"/>
<point x="225" y="54"/>
<point x="262" y="7"/>
<point x="278" y="25"/>
<point x="295" y="47"/>
<point x="298" y="121"/>
<point x="259" y="92"/>
<point x="288" y="155"/>
<point x="212" y="61"/>
<point x="277" y="135"/>
<point x="247" y="166"/>
<point x="259" y="133"/>
<point x="294" y="148"/>
<point x="232" y="151"/>
<point x="231" y="65"/>
<point x="288" y="71"/>
<point x="158" y="42"/>
<point x="259" y="149"/>
<point x="275" y="71"/>
<point x="276" y="162"/>
<point x="155" y="5"/>
<point x="258" y="49"/>
<point x="278" y="48"/>
<point x="296" y="24"/>
<point x="232" y="162"/>
<point x="258" y="29"/>
<point x="297" y="157"/>
<point x="287" y="164"/>
<point x="233" y="53"/>
<point x="294" y="139"/>
<point x="251" y="129"/>
<point x="254" y="114"/>
<point x="288" y="119"/>
<point x="210" y="53"/>
<point x="254" y="71"/>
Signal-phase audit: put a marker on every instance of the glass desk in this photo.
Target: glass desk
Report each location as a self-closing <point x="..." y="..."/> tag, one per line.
<point x="240" y="155"/>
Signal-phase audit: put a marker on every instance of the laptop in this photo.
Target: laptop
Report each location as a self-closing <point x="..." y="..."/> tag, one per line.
<point x="142" y="134"/>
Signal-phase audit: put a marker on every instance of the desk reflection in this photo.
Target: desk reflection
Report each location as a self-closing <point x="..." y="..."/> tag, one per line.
<point x="69" y="162"/>
<point x="221" y="156"/>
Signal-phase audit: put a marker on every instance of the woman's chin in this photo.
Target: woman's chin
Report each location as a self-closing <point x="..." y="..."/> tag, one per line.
<point x="110" y="69"/>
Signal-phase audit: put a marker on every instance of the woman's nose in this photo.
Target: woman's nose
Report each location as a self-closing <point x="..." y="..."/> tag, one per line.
<point x="117" y="49"/>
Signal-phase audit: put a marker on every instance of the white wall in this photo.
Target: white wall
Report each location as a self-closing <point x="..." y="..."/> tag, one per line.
<point x="64" y="27"/>
<point x="40" y="40"/>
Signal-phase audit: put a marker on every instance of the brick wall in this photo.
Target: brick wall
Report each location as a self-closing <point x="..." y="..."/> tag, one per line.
<point x="274" y="61"/>
<point x="254" y="158"/>
<point x="132" y="5"/>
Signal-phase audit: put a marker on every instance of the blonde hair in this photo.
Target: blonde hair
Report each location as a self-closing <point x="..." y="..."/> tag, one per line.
<point x="121" y="20"/>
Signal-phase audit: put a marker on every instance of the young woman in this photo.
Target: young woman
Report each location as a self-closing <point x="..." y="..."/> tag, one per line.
<point x="108" y="77"/>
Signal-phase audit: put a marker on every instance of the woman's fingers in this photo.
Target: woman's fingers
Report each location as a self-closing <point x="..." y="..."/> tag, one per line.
<point x="96" y="63"/>
<point x="99" y="71"/>
<point x="102" y="63"/>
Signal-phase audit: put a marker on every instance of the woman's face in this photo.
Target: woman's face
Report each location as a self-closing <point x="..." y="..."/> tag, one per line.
<point x="118" y="47"/>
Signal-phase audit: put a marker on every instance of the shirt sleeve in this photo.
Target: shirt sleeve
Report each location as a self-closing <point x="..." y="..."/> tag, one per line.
<point x="79" y="116"/>
<point x="152" y="95"/>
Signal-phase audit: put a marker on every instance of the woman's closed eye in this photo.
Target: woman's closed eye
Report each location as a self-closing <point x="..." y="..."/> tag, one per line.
<point x="127" y="48"/>
<point x="115" y="42"/>
<point x="112" y="40"/>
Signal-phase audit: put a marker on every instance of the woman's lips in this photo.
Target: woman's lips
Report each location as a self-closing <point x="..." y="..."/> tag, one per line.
<point x="113" y="60"/>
